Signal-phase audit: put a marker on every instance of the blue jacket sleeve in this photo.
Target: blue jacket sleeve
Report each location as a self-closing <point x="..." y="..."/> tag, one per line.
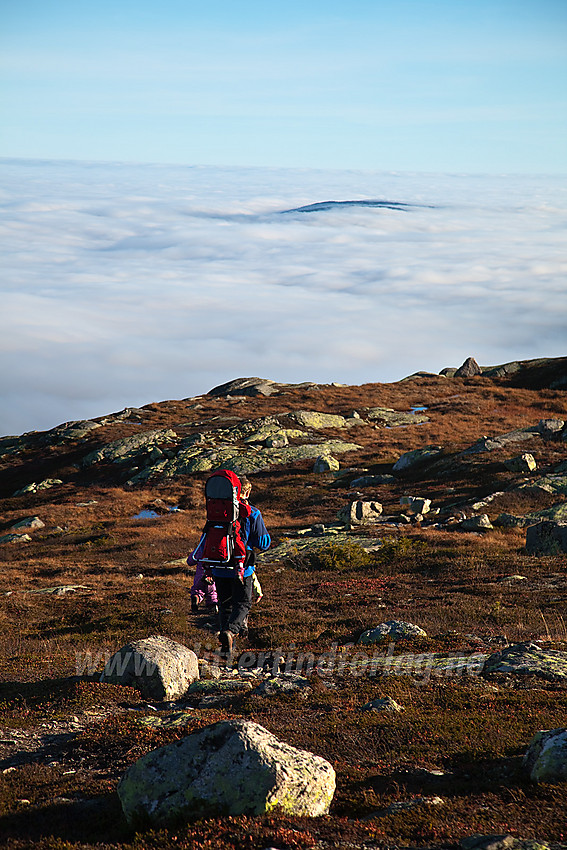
<point x="258" y="537"/>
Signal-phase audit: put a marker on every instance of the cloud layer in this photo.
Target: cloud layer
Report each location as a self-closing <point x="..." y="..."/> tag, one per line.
<point x="128" y="284"/>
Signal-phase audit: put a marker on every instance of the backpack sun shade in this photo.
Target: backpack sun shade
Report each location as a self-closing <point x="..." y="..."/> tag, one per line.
<point x="223" y="544"/>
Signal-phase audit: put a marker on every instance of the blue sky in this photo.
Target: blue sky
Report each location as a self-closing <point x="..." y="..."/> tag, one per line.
<point x="410" y="85"/>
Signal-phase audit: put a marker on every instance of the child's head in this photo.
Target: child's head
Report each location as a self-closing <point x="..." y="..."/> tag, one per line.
<point x="245" y="487"/>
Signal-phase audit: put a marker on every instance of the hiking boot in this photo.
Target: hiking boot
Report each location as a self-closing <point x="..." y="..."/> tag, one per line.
<point x="194" y="604"/>
<point x="226" y="640"/>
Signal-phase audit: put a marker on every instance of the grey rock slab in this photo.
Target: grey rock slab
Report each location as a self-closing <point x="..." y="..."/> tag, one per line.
<point x="391" y="630"/>
<point x="416" y="458"/>
<point x="231" y="768"/>
<point x="394" y="418"/>
<point x="246" y="387"/>
<point x="158" y="667"/>
<point x="528" y="659"/>
<point x="546" y="756"/>
<point x="60" y="589"/>
<point x="546" y="538"/>
<point x="373" y="480"/>
<point x="283" y="683"/>
<point x="550" y="428"/>
<point x="489" y="842"/>
<point x="489" y="444"/>
<point x="513" y="521"/>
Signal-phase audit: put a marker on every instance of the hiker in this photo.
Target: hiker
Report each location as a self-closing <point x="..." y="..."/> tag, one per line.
<point x="234" y="579"/>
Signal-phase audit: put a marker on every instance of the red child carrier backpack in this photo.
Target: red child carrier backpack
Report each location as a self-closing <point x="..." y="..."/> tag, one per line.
<point x="223" y="545"/>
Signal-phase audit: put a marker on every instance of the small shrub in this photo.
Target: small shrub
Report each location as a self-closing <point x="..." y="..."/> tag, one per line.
<point x="399" y="548"/>
<point x="341" y="556"/>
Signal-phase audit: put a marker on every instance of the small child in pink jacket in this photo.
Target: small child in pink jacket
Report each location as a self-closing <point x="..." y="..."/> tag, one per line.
<point x="203" y="588"/>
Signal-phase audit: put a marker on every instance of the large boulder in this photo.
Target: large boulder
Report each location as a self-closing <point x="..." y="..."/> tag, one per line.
<point x="416" y="458"/>
<point x="326" y="463"/>
<point x="392" y="630"/>
<point x="361" y="513"/>
<point x="415" y="504"/>
<point x="546" y="756"/>
<point x="550" y="429"/>
<point x="231" y="768"/>
<point x="476" y="523"/>
<point x="546" y="538"/>
<point x="158" y="667"/>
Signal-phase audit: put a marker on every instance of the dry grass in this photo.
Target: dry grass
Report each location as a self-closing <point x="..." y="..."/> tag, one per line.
<point x="451" y="584"/>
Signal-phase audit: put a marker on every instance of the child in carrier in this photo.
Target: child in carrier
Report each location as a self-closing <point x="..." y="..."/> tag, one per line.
<point x="203" y="588"/>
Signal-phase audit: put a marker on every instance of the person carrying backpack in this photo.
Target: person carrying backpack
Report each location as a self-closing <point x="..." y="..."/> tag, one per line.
<point x="234" y="528"/>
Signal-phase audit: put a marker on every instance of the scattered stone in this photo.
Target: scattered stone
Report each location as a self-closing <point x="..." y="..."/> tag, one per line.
<point x="549" y="484"/>
<point x="36" y="488"/>
<point x="522" y="464"/>
<point x="392" y="630"/>
<point x="326" y="463"/>
<point x="382" y="704"/>
<point x="404" y="806"/>
<point x="372" y="480"/>
<point x="469" y="369"/>
<point x="61" y="589"/>
<point x="316" y="420"/>
<point x="416" y="458"/>
<point x="528" y="659"/>
<point x="15" y="538"/>
<point x="361" y="513"/>
<point x="33" y="523"/>
<point x="415" y="504"/>
<point x="476" y="523"/>
<point x="546" y="756"/>
<point x="550" y="428"/>
<point x="231" y="768"/>
<point x="159" y="667"/>
<point x="477" y="506"/>
<point x="513" y="579"/>
<point x="546" y="538"/>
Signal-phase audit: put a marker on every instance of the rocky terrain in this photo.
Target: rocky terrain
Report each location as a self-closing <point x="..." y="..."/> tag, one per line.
<point x="404" y="678"/>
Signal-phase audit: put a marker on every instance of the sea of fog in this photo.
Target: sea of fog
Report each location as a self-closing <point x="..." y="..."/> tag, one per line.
<point x="126" y="284"/>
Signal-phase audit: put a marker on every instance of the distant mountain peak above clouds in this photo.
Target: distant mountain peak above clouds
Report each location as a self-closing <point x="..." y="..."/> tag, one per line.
<point x="323" y="206"/>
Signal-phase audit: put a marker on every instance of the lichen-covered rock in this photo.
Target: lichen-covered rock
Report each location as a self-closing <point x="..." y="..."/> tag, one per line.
<point x="283" y="683"/>
<point x="556" y="513"/>
<point x="546" y="756"/>
<point x="416" y="458"/>
<point x="158" y="667"/>
<point x="315" y="419"/>
<point x="513" y="521"/>
<point x="392" y="630"/>
<point x="120" y="450"/>
<point x="36" y="488"/>
<point x="528" y="659"/>
<point x="490" y="444"/>
<point x="523" y="464"/>
<point x="231" y="768"/>
<point x="326" y="463"/>
<point x="546" y="538"/>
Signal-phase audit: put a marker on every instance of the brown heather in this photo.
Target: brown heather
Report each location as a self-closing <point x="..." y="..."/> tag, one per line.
<point x="447" y="582"/>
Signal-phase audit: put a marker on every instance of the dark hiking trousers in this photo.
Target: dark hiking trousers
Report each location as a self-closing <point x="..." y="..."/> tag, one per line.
<point x="234" y="600"/>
